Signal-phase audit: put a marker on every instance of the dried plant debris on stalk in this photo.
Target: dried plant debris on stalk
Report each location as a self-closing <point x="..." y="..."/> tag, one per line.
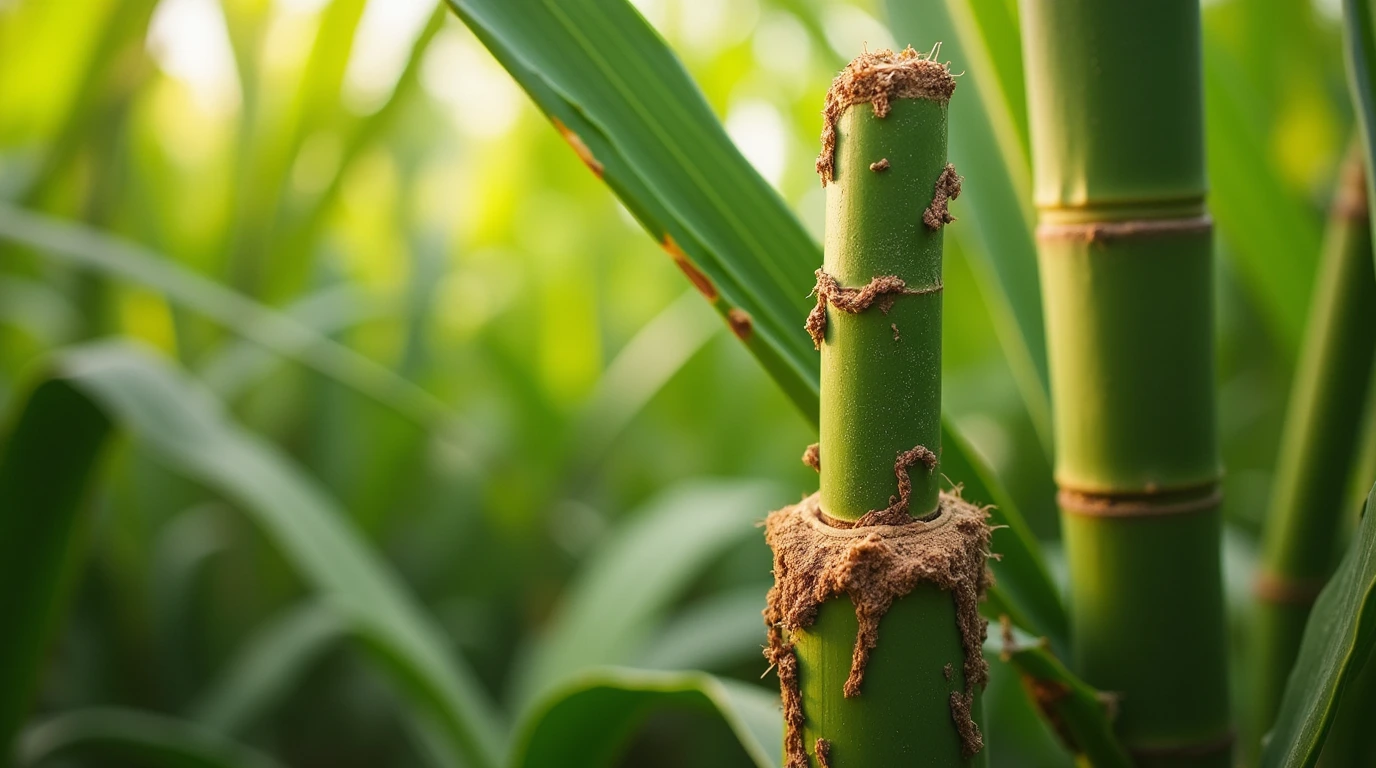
<point x="816" y="559"/>
<point x="878" y="78"/>
<point x="882" y="291"/>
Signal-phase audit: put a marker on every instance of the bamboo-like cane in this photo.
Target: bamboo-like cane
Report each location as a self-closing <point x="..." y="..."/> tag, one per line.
<point x="1125" y="252"/>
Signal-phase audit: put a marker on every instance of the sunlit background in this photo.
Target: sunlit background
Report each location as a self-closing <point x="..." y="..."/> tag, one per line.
<point x="370" y="169"/>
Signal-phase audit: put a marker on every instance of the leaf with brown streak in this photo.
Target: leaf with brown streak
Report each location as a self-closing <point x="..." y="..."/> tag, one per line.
<point x="581" y="148"/>
<point x="741" y="324"/>
<point x="699" y="280"/>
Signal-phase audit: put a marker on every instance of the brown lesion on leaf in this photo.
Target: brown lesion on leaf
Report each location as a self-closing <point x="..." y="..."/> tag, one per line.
<point x="695" y="275"/>
<point x="812" y="456"/>
<point x="876" y="79"/>
<point x="576" y="141"/>
<point x="882" y="290"/>
<point x="938" y="214"/>
<point x="874" y="565"/>
<point x="740" y="323"/>
<point x="880" y="166"/>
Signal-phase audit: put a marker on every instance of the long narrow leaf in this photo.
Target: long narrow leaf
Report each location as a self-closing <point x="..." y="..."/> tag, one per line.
<point x="43" y="476"/>
<point x="1081" y="715"/>
<point x="187" y="429"/>
<point x="86" y="247"/>
<point x="1339" y="638"/>
<point x="587" y="723"/>
<point x="272" y="663"/>
<point x="101" y="736"/>
<point x="629" y="585"/>
<point x="621" y="99"/>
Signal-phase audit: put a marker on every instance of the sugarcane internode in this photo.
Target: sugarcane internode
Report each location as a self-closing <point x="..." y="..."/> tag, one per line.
<point x="894" y="677"/>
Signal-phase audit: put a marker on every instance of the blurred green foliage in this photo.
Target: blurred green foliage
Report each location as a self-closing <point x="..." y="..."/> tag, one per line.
<point x="368" y="169"/>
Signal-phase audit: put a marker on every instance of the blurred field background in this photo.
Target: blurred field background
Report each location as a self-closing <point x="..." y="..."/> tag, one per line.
<point x="367" y="168"/>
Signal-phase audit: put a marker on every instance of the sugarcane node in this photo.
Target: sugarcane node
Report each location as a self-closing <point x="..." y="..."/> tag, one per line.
<point x="876" y="78"/>
<point x="1105" y="231"/>
<point x="938" y="214"/>
<point x="1140" y="505"/>
<point x="874" y="565"/>
<point x="882" y="290"/>
<point x="1280" y="589"/>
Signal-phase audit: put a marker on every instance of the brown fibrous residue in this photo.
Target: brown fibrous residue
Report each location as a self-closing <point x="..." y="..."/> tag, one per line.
<point x="873" y="565"/>
<point x="576" y="141"/>
<point x="740" y="322"/>
<point x="882" y="290"/>
<point x="880" y="166"/>
<point x="938" y="214"/>
<point x="812" y="456"/>
<point x="898" y="511"/>
<point x="896" y="336"/>
<point x="695" y="275"/>
<point x="971" y="740"/>
<point x="876" y="79"/>
<point x="823" y="750"/>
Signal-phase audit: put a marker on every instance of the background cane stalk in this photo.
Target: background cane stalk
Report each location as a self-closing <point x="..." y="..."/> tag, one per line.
<point x="1124" y="245"/>
<point x="1309" y="511"/>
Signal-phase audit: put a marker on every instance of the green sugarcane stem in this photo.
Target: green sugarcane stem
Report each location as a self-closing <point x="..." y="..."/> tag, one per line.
<point x="1125" y="251"/>
<point x="1308" y="516"/>
<point x="880" y="399"/>
<point x="881" y="371"/>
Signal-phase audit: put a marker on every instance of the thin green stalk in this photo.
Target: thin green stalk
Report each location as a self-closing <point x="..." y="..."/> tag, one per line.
<point x="880" y="345"/>
<point x="1125" y="252"/>
<point x="1308" y="511"/>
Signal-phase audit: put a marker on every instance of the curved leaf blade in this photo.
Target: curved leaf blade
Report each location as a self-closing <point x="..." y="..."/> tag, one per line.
<point x="1080" y="713"/>
<point x="186" y="428"/>
<point x="613" y="606"/>
<point x="147" y="739"/>
<point x="587" y="722"/>
<point x="1339" y="638"/>
<point x="43" y="476"/>
<point x="624" y="102"/>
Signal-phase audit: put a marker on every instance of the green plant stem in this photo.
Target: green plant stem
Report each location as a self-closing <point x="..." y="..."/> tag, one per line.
<point x="1308" y="515"/>
<point x="881" y="396"/>
<point x="1125" y="250"/>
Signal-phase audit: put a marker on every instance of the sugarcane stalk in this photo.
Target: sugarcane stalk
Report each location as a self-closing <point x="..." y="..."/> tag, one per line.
<point x="911" y="694"/>
<point x="1307" y="515"/>
<point x="1125" y="254"/>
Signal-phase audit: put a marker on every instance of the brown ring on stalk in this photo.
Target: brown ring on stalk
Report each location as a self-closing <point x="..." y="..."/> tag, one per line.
<point x="1136" y="505"/>
<point x="1100" y="231"/>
